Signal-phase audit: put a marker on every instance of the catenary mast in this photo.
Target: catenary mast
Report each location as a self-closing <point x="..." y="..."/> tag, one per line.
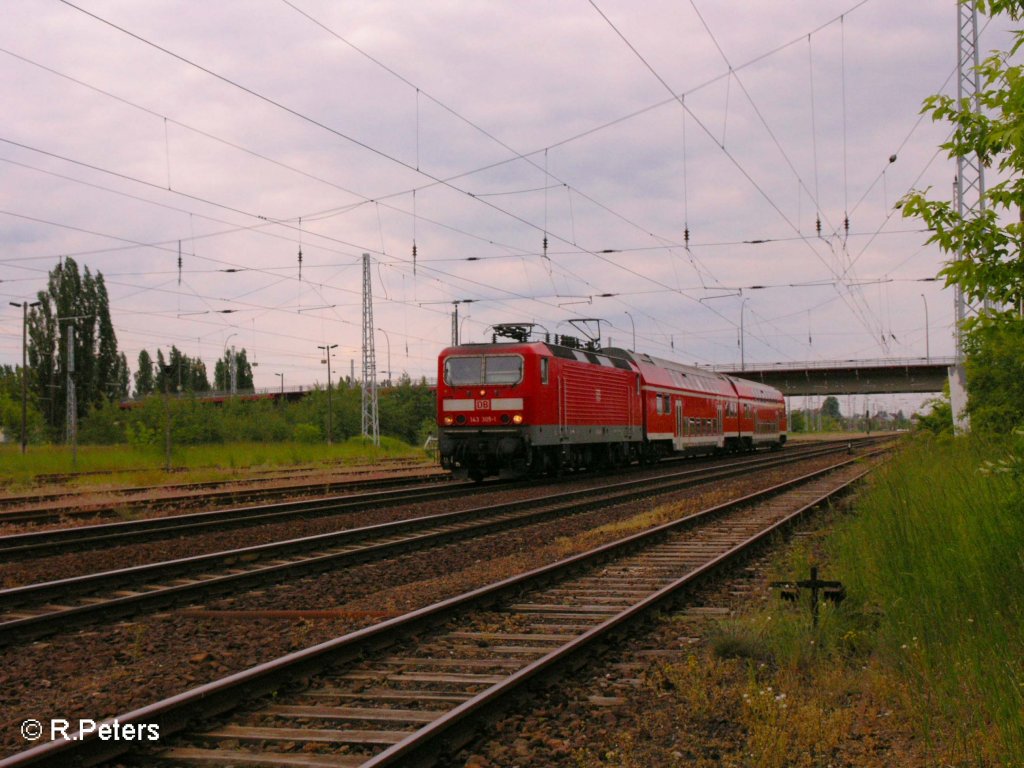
<point x="371" y="422"/>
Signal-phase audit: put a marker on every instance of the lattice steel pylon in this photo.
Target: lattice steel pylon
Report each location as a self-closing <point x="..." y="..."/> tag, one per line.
<point x="970" y="173"/>
<point x="371" y="421"/>
<point x="969" y="190"/>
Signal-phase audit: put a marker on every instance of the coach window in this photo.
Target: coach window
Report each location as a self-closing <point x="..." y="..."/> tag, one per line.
<point x="544" y="370"/>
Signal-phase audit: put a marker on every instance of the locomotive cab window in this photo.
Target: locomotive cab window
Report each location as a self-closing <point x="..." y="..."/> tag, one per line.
<point x="473" y="370"/>
<point x="544" y="363"/>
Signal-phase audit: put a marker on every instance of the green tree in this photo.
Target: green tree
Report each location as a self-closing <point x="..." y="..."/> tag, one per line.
<point x="10" y="405"/>
<point x="404" y="408"/>
<point x="985" y="244"/>
<point x="144" y="382"/>
<point x="73" y="303"/>
<point x="830" y="408"/>
<point x="107" y="373"/>
<point x="797" y="421"/>
<point x="124" y="377"/>
<point x="198" y="380"/>
<point x="180" y="372"/>
<point x="222" y="372"/>
<point x="939" y="418"/>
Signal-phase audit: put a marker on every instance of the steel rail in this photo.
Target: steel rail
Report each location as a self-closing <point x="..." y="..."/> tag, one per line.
<point x="55" y="541"/>
<point x="236" y="495"/>
<point x="177" y="712"/>
<point x="159" y="584"/>
<point x="37" y="543"/>
<point x="280" y="473"/>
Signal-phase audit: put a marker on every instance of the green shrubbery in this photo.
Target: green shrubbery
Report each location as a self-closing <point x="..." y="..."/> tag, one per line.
<point x="406" y="412"/>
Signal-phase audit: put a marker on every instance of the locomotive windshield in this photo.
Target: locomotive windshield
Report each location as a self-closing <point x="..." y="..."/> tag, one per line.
<point x="466" y="371"/>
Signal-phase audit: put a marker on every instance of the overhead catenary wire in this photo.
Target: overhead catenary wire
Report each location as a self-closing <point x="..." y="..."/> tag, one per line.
<point x="609" y="262"/>
<point x="570" y="196"/>
<point x="313" y="121"/>
<point x="743" y="171"/>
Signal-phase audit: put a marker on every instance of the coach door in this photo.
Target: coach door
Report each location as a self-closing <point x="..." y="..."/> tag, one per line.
<point x="719" y="427"/>
<point x="679" y="424"/>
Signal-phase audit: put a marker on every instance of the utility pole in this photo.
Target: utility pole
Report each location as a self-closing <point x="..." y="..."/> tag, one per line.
<point x="166" y="370"/>
<point x="24" y="370"/>
<point x="330" y="410"/>
<point x="455" y="319"/>
<point x="371" y="420"/>
<point x="72" y="400"/>
<point x="229" y="371"/>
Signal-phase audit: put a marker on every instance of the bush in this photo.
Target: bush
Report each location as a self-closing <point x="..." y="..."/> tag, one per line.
<point x="306" y="433"/>
<point x="995" y="372"/>
<point x="406" y="411"/>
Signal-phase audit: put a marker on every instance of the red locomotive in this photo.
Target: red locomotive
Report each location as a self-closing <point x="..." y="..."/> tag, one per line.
<point x="530" y="407"/>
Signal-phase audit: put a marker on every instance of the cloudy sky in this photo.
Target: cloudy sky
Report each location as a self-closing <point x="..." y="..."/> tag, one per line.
<point x="619" y="132"/>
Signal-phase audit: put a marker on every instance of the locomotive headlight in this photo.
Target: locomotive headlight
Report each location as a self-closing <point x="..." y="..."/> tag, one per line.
<point x="448" y="421"/>
<point x="517" y="419"/>
<point x="483" y="392"/>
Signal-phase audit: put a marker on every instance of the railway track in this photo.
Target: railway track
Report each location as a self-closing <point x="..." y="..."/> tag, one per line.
<point x="383" y="465"/>
<point x="43" y="509"/>
<point x="79" y="538"/>
<point x="410" y="689"/>
<point x="60" y="540"/>
<point x="35" y="610"/>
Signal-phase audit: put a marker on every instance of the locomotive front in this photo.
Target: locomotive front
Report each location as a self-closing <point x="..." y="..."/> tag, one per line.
<point x="482" y="407"/>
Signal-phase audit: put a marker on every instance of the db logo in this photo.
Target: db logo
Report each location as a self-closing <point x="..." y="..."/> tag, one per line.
<point x="483" y="405"/>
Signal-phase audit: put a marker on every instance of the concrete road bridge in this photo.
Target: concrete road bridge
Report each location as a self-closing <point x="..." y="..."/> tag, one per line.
<point x="851" y="377"/>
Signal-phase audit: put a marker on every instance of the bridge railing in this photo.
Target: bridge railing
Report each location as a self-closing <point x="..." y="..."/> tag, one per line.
<point x="890" y="362"/>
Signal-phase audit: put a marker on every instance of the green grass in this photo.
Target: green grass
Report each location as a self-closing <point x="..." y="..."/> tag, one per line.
<point x="936" y="551"/>
<point x="932" y="558"/>
<point x="145" y="465"/>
